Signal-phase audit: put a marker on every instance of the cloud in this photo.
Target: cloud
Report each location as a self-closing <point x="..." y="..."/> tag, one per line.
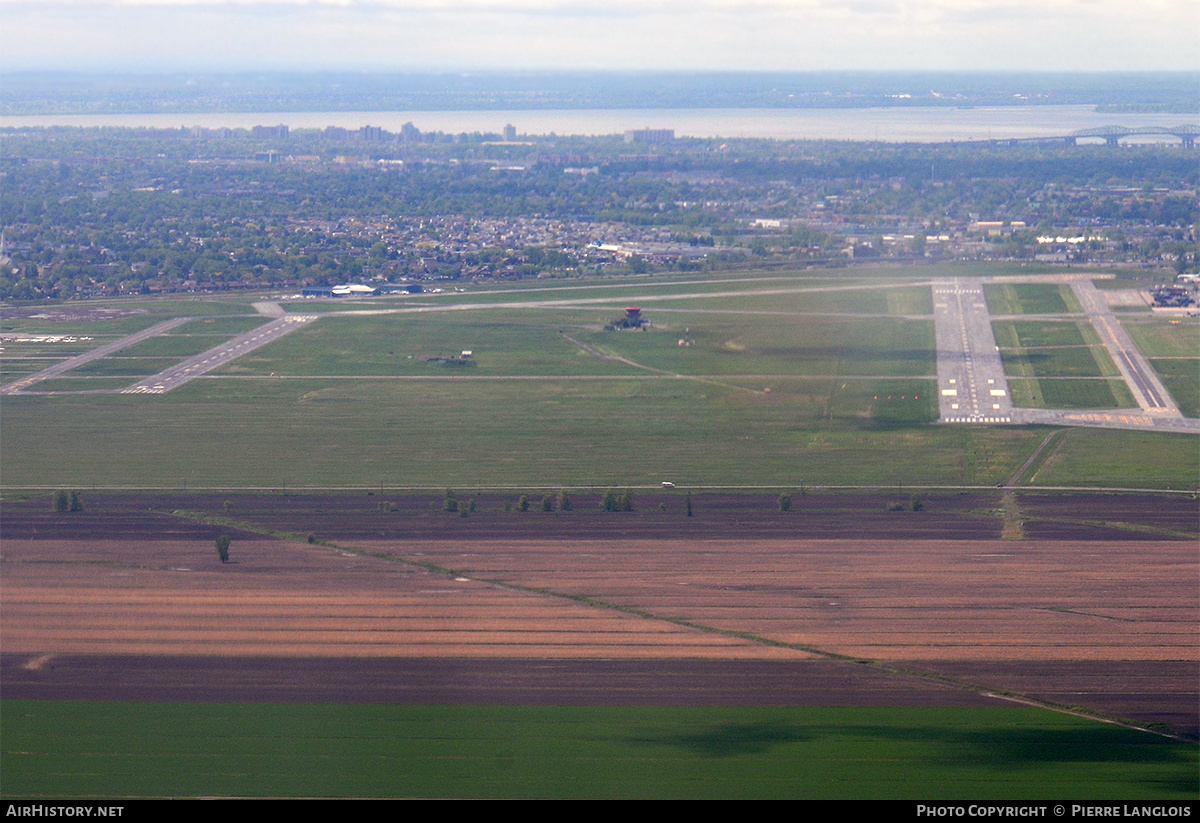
<point x="701" y="34"/>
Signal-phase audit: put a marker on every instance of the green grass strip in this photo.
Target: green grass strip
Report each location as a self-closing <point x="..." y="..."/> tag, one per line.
<point x="55" y="749"/>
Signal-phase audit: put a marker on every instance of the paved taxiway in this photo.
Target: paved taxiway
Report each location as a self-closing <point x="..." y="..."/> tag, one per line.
<point x="1147" y="389"/>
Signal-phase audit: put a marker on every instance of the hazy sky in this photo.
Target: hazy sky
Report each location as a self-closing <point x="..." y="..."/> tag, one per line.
<point x="599" y="34"/>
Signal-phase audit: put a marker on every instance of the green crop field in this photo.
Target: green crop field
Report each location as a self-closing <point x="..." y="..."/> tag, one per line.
<point x="1085" y="394"/>
<point x="113" y="750"/>
<point x="1087" y="361"/>
<point x="464" y="431"/>
<point x="120" y="365"/>
<point x="1159" y="338"/>
<point x="1030" y="298"/>
<point x="1181" y="376"/>
<point x="1026" y="333"/>
<point x="220" y="326"/>
<point x="1100" y="457"/>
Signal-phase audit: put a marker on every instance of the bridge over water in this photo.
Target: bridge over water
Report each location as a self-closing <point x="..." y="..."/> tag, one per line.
<point x="1112" y="135"/>
<point x="1186" y="133"/>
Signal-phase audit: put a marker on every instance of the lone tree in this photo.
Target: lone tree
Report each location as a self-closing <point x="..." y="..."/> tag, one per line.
<point x="66" y="501"/>
<point x="785" y="502"/>
<point x="548" y="503"/>
<point x="688" y="499"/>
<point x="449" y="501"/>
<point x="223" y="547"/>
<point x="564" y="501"/>
<point x="523" y="503"/>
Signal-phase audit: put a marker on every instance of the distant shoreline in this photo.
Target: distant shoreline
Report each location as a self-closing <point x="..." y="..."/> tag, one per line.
<point x="890" y="125"/>
<point x="28" y="93"/>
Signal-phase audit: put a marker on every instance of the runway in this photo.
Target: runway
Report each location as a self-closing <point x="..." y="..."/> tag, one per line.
<point x="206" y="361"/>
<point x="21" y="386"/>
<point x="972" y="387"/>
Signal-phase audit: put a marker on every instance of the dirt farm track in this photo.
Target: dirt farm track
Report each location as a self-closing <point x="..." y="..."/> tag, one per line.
<point x="1086" y="601"/>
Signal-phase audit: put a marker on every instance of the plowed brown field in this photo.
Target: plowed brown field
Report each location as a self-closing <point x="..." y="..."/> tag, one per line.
<point x="1110" y="625"/>
<point x="296" y="600"/>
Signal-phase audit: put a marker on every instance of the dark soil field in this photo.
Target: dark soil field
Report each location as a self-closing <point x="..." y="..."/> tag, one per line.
<point x="836" y="602"/>
<point x="1102" y="516"/>
<point x="475" y="681"/>
<point x="376" y="515"/>
<point x="1161" y="695"/>
<point x="817" y="515"/>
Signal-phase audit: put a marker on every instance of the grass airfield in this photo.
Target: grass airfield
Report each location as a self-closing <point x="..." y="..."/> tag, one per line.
<point x="781" y="380"/>
<point x="551" y="400"/>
